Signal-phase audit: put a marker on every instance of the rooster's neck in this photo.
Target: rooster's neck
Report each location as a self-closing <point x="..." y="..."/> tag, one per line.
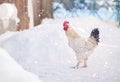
<point x="71" y="33"/>
<point x="92" y="40"/>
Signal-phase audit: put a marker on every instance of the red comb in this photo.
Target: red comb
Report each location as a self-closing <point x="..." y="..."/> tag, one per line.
<point x="65" y="22"/>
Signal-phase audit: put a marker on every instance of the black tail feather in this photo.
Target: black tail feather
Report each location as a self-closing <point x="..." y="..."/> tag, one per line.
<point x="95" y="34"/>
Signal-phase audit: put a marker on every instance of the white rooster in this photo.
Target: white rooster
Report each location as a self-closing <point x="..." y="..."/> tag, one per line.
<point x="82" y="47"/>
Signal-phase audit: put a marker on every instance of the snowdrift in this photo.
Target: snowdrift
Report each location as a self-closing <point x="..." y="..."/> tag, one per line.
<point x="44" y="51"/>
<point x="10" y="71"/>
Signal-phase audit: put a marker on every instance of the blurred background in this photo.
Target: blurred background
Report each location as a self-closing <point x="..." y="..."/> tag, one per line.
<point x="40" y="45"/>
<point x="31" y="12"/>
<point x="102" y="9"/>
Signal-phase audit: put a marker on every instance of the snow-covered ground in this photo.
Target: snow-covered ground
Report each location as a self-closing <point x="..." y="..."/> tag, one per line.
<point x="10" y="71"/>
<point x="44" y="51"/>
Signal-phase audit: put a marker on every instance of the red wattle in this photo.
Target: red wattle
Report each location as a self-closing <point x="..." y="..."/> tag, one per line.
<point x="65" y="28"/>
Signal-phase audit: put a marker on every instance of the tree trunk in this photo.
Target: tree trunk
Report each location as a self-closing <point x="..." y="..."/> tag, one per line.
<point x="36" y="12"/>
<point x="42" y="9"/>
<point x="22" y="6"/>
<point x="47" y="9"/>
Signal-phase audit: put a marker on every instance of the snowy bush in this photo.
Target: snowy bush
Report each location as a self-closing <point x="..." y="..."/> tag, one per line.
<point x="8" y="17"/>
<point x="59" y="10"/>
<point x="83" y="10"/>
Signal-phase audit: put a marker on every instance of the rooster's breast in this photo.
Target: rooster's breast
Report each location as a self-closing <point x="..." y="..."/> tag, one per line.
<point x="76" y="43"/>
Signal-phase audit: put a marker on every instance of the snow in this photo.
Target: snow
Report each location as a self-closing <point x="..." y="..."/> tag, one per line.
<point x="5" y="9"/>
<point x="11" y="71"/>
<point x="8" y="17"/>
<point x="9" y="11"/>
<point x="44" y="51"/>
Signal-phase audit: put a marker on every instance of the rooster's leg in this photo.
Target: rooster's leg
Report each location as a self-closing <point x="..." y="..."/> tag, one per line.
<point x="85" y="62"/>
<point x="77" y="66"/>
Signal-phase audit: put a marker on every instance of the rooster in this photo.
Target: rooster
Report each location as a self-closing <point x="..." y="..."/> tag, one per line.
<point x="82" y="47"/>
